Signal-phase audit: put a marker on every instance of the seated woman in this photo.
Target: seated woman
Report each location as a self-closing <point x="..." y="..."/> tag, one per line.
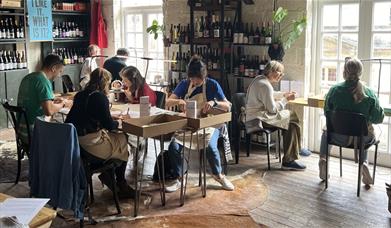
<point x="352" y="96"/>
<point x="208" y="93"/>
<point x="263" y="109"/>
<point x="89" y="65"/>
<point x="135" y="86"/>
<point x="90" y="114"/>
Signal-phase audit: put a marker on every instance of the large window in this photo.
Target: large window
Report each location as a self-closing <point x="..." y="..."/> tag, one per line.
<point x="140" y="43"/>
<point x="361" y="29"/>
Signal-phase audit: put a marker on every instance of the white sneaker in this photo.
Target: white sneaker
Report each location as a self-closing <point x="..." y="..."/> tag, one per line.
<point x="225" y="183"/>
<point x="322" y="169"/>
<point x="366" y="176"/>
<point x="174" y="185"/>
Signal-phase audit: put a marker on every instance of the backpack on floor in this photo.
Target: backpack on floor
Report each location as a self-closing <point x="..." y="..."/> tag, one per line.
<point x="168" y="170"/>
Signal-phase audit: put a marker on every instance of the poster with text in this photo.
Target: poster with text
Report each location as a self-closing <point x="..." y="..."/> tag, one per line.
<point x="40" y="20"/>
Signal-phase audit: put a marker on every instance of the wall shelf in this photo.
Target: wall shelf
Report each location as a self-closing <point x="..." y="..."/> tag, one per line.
<point x="65" y="12"/>
<point x="74" y="39"/>
<point x="12" y="41"/>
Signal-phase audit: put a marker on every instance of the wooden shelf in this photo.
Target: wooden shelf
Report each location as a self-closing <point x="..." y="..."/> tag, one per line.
<point x="11" y="8"/>
<point x="12" y="41"/>
<point x="244" y="77"/>
<point x="65" y="12"/>
<point x="207" y="41"/>
<point x="214" y="8"/>
<point x="252" y="45"/>
<point x="73" y="39"/>
<point x="14" y="70"/>
<point x="6" y="13"/>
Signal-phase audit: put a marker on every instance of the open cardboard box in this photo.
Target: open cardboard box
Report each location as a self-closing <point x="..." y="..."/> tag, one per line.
<point x="152" y="126"/>
<point x="209" y="121"/>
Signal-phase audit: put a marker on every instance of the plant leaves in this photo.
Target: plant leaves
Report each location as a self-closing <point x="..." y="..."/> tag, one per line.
<point x="279" y="15"/>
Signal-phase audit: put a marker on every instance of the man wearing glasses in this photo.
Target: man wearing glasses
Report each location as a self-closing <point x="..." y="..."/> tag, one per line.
<point x="36" y="92"/>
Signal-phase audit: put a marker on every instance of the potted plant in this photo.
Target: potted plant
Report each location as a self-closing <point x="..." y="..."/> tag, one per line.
<point x="155" y="29"/>
<point x="284" y="37"/>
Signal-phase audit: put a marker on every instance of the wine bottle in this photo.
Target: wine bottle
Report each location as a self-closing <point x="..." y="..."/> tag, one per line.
<point x="2" y="61"/>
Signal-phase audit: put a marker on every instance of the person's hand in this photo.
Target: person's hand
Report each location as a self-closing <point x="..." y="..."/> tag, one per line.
<point x="68" y="103"/>
<point x="182" y="105"/>
<point x="207" y="106"/>
<point x="290" y="95"/>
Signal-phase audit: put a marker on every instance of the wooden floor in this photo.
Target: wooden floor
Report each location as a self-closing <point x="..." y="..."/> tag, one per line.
<point x="298" y="198"/>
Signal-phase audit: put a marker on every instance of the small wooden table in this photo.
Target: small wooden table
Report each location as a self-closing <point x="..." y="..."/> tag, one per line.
<point x="42" y="220"/>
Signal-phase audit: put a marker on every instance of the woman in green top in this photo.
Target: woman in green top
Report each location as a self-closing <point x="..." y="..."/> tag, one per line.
<point x="351" y="96"/>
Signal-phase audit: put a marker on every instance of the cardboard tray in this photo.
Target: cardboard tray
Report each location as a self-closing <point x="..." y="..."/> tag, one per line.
<point x="316" y="101"/>
<point x="152" y="126"/>
<point x="209" y="121"/>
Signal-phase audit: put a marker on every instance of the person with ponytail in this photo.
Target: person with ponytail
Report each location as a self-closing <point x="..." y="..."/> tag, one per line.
<point x="208" y="95"/>
<point x="351" y="96"/>
<point x="135" y="86"/>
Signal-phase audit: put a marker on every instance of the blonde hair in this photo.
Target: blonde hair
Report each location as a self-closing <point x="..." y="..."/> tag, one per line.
<point x="352" y="72"/>
<point x="273" y="66"/>
<point x="100" y="80"/>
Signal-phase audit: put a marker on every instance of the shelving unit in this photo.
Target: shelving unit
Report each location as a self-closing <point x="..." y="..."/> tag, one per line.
<point x="10" y="78"/>
<point x="79" y="44"/>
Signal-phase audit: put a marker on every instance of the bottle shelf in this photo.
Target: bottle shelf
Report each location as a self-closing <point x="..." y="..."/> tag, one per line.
<point x="244" y="77"/>
<point x="14" y="70"/>
<point x="12" y="41"/>
<point x="252" y="45"/>
<point x="216" y="8"/>
<point x="65" y="12"/>
<point x="7" y="13"/>
<point x="73" y="64"/>
<point x="11" y="8"/>
<point x="206" y="41"/>
<point x="73" y="39"/>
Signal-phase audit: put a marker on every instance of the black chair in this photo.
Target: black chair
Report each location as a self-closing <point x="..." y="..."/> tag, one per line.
<point x="67" y="84"/>
<point x="350" y="124"/>
<point x="18" y="116"/>
<point x="238" y="105"/>
<point x="93" y="165"/>
<point x="160" y="99"/>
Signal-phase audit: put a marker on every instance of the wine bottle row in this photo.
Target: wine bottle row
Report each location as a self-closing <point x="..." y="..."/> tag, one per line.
<point x="11" y="60"/>
<point x="209" y="27"/>
<point x="208" y="3"/>
<point x="249" y="65"/>
<point x="71" y="56"/>
<point x="68" y="29"/>
<point x="10" y="29"/>
<point x="211" y="57"/>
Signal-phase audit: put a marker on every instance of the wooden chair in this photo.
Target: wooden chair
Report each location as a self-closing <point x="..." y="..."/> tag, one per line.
<point x="350" y="124"/>
<point x="18" y="117"/>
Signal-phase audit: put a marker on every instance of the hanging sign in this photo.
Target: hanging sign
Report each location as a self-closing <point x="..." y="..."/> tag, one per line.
<point x="40" y="20"/>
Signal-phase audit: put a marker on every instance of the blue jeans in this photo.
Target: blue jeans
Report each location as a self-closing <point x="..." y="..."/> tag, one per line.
<point x="342" y="140"/>
<point x="212" y="154"/>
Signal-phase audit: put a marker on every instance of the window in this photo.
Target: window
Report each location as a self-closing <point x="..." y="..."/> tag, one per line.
<point x="354" y="28"/>
<point x="141" y="44"/>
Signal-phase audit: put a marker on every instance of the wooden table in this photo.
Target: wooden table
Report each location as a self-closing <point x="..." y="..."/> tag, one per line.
<point x="42" y="220"/>
<point x="318" y="102"/>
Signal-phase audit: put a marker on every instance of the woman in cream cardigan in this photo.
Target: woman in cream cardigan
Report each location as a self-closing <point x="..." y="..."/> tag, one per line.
<point x="266" y="108"/>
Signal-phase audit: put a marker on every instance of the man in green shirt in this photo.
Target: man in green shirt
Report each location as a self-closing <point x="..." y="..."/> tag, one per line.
<point x="351" y="96"/>
<point x="36" y="92"/>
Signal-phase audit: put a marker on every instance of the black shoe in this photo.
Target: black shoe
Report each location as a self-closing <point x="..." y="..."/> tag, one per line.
<point x="125" y="191"/>
<point x="293" y="165"/>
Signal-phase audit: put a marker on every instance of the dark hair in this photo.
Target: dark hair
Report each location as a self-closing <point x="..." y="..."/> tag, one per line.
<point x="100" y="80"/>
<point x="52" y="60"/>
<point x="134" y="76"/>
<point x="123" y="51"/>
<point x="196" y="68"/>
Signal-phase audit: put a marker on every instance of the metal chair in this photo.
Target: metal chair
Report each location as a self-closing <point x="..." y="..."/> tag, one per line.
<point x="160" y="99"/>
<point x="350" y="124"/>
<point x="238" y="104"/>
<point x="93" y="165"/>
<point x="18" y="118"/>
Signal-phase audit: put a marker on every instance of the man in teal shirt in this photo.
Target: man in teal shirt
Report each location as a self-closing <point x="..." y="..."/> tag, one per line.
<point x="36" y="93"/>
<point x="351" y="96"/>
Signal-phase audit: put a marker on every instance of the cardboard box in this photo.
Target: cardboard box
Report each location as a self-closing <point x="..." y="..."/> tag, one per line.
<point x="152" y="126"/>
<point x="316" y="101"/>
<point x="11" y="3"/>
<point x="209" y="121"/>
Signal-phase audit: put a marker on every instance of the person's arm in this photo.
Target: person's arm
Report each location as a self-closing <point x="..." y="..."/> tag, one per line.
<point x="175" y="98"/>
<point x="50" y="108"/>
<point x="376" y="113"/>
<point x="265" y="95"/>
<point x="220" y="101"/>
<point x="99" y="108"/>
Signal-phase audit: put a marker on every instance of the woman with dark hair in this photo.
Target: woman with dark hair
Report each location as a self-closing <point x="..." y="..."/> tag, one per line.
<point x="90" y="114"/>
<point x="208" y="93"/>
<point x="135" y="86"/>
<point x="352" y="96"/>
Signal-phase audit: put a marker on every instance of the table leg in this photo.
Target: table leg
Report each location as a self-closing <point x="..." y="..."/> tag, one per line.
<point x="187" y="173"/>
<point x="142" y="171"/>
<point x="182" y="172"/>
<point x="162" y="195"/>
<point x="204" y="163"/>
<point x="136" y="177"/>
<point x="164" y="178"/>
